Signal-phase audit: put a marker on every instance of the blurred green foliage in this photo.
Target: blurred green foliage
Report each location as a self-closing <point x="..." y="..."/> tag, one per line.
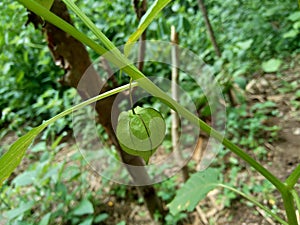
<point x="248" y="33"/>
<point x="56" y="193"/>
<point x="29" y="91"/>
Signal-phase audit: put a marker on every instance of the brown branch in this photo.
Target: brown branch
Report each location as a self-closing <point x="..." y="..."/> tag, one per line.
<point x="140" y="8"/>
<point x="175" y="117"/>
<point x="209" y="28"/>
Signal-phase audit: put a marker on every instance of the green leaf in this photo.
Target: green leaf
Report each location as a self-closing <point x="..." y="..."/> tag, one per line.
<point x="194" y="190"/>
<point x="46" y="3"/>
<point x="290" y="34"/>
<point x="271" y="65"/>
<point x="87" y="221"/>
<point x="101" y="217"/>
<point x="45" y="220"/>
<point x="294" y="16"/>
<point x="11" y="214"/>
<point x="245" y="44"/>
<point x="121" y="223"/>
<point x="25" y="178"/>
<point x="85" y="207"/>
<point x="149" y="16"/>
<point x="12" y="158"/>
<point x="296" y="25"/>
<point x="39" y="147"/>
<point x="240" y="81"/>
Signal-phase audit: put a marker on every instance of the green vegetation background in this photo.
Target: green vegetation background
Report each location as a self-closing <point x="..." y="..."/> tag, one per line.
<point x="254" y="36"/>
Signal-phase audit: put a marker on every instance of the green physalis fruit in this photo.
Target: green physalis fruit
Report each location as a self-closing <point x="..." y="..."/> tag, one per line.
<point x="141" y="131"/>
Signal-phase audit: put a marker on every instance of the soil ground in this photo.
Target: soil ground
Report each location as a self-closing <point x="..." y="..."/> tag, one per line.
<point x="284" y="153"/>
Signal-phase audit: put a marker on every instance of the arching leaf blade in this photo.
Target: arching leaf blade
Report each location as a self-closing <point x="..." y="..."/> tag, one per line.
<point x="12" y="158"/>
<point x="149" y="16"/>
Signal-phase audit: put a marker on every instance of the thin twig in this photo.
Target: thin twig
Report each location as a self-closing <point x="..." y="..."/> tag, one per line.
<point x="202" y="215"/>
<point x="209" y="28"/>
<point x="270" y="221"/>
<point x="175" y="117"/>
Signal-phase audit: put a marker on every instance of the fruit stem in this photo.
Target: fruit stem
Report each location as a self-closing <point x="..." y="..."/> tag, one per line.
<point x="130" y="97"/>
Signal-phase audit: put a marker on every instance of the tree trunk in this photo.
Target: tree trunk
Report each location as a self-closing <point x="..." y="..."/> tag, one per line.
<point x="72" y="56"/>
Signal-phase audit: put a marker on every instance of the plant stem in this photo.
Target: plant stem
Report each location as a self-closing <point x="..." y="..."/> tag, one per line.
<point x="288" y="203"/>
<point x="130" y="96"/>
<point x="297" y="199"/>
<point x="89" y="101"/>
<point x="293" y="177"/>
<point x="109" y="45"/>
<point x="254" y="201"/>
